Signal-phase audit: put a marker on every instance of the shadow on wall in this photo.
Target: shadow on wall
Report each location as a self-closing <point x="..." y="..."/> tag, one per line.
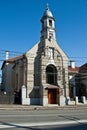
<point x="7" y="97"/>
<point x="17" y="97"/>
<point x="34" y="96"/>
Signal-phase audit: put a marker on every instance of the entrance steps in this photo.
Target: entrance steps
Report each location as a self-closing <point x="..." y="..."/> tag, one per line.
<point x="54" y="105"/>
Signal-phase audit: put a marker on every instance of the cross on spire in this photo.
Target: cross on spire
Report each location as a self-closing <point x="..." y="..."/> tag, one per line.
<point x="47" y="6"/>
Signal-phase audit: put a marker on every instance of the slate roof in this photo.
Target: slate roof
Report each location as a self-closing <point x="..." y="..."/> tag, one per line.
<point x="12" y="60"/>
<point x="74" y="70"/>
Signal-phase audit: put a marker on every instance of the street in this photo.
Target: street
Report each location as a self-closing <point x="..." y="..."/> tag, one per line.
<point x="60" y="119"/>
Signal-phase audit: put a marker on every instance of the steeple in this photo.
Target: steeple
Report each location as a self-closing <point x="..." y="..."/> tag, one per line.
<point x="48" y="12"/>
<point x="48" y="25"/>
<point x="47" y="7"/>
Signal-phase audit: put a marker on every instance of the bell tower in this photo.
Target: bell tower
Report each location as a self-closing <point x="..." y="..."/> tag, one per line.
<point x="48" y="25"/>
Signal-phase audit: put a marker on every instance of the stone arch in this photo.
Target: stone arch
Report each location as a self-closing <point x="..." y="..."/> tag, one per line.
<point x="51" y="74"/>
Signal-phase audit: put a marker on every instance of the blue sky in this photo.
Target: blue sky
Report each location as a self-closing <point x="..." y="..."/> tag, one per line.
<point x="20" y="25"/>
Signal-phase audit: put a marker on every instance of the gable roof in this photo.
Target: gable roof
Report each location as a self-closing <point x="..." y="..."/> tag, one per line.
<point x="12" y="60"/>
<point x="73" y="70"/>
<point x="83" y="67"/>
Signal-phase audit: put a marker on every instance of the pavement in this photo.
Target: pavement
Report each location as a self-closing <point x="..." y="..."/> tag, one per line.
<point x="38" y="107"/>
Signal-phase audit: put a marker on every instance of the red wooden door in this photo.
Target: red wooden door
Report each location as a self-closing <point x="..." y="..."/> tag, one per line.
<point x="52" y="96"/>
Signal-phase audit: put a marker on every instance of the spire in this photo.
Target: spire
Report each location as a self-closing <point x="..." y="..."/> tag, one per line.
<point x="47" y="6"/>
<point x="48" y="24"/>
<point x="47" y="12"/>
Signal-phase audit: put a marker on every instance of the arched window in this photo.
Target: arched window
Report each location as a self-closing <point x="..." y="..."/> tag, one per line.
<point x="50" y="23"/>
<point x="51" y="74"/>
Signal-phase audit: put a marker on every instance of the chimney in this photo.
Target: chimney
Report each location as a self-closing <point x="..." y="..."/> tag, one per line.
<point x="7" y="55"/>
<point x="72" y="64"/>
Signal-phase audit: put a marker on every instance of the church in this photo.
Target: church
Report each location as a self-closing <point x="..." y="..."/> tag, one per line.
<point x="39" y="76"/>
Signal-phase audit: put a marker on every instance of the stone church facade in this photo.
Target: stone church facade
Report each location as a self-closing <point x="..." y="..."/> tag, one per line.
<point x="41" y="74"/>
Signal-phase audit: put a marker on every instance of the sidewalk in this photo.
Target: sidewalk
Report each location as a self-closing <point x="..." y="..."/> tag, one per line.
<point x="37" y="107"/>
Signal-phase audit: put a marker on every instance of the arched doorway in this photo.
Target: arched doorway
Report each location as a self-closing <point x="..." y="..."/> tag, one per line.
<point x="51" y="79"/>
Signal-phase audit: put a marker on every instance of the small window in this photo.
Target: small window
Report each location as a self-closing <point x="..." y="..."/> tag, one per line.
<point x="50" y="36"/>
<point x="50" y="22"/>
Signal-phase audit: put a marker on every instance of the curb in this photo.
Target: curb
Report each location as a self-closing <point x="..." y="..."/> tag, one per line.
<point x="31" y="107"/>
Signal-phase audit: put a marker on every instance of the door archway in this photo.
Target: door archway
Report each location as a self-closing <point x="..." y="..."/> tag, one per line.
<point x="51" y="75"/>
<point x="51" y="79"/>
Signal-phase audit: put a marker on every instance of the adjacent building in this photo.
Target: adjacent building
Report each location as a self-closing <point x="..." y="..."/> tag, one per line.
<point x="77" y="82"/>
<point x="73" y="72"/>
<point x="82" y="78"/>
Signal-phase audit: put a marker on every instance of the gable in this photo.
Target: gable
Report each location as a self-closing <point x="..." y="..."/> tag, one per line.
<point x="58" y="48"/>
<point x="33" y="51"/>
